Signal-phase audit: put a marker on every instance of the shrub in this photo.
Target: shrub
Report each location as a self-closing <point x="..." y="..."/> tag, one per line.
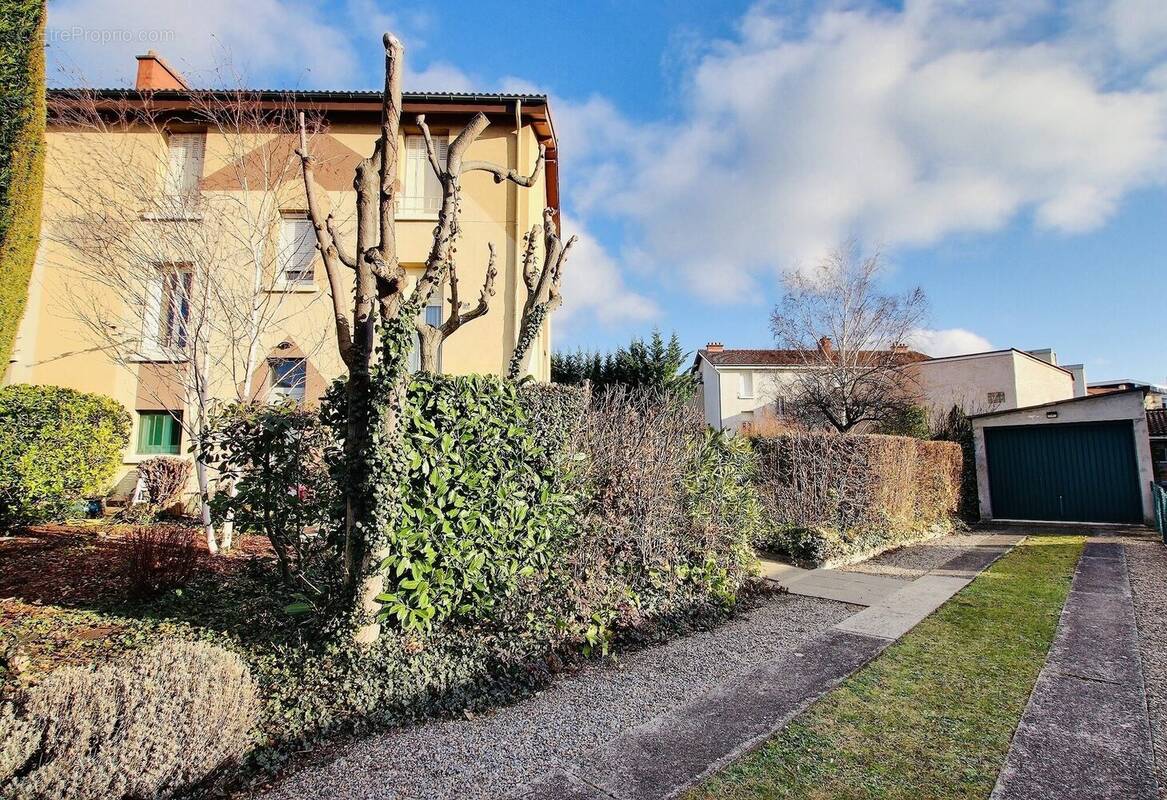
<point x="148" y="727"/>
<point x="667" y="516"/>
<point x="553" y="412"/>
<point x="19" y="740"/>
<point x="832" y="498"/>
<point x="955" y="425"/>
<point x="274" y="460"/>
<point x="164" y="477"/>
<point x="159" y="557"/>
<point x="56" y="446"/>
<point x="481" y="502"/>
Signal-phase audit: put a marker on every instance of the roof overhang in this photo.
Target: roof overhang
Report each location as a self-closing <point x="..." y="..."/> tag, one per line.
<point x="531" y="109"/>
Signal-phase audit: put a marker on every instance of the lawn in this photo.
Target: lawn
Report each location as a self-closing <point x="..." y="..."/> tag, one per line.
<point x="933" y="716"/>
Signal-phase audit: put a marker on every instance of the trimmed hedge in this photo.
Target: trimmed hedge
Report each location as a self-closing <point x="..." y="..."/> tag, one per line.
<point x="22" y="130"/>
<point x="834" y="499"/>
<point x="57" y="446"/>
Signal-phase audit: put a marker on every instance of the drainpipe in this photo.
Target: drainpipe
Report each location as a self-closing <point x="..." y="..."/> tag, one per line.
<point x="517" y="232"/>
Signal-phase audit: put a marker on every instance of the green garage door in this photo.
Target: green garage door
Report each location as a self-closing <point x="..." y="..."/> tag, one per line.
<point x="1075" y="472"/>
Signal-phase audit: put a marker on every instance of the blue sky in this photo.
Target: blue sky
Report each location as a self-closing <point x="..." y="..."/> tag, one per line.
<point x="1009" y="156"/>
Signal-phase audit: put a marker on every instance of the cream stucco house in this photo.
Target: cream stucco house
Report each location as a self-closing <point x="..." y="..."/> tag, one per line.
<point x="739" y="387"/>
<point x="296" y="352"/>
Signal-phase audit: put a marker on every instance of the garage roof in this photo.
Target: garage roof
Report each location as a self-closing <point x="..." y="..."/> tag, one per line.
<point x="1054" y="403"/>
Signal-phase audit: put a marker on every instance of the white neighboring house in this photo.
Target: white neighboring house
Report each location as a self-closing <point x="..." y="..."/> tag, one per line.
<point x="739" y="387"/>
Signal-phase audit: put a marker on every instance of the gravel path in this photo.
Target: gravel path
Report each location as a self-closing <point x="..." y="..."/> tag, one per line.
<point x="492" y="754"/>
<point x="914" y="560"/>
<point x="1147" y="564"/>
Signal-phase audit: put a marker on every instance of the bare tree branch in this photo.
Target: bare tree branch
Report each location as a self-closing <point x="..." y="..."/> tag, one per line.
<point x="502" y="174"/>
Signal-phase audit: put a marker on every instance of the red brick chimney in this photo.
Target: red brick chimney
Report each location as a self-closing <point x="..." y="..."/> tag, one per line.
<point x="714" y="347"/>
<point x="826" y="347"/>
<point x="155" y="73"/>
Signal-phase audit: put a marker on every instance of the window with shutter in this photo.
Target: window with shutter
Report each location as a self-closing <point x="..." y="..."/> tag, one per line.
<point x="297" y="251"/>
<point x="184" y="164"/>
<point x="421" y="191"/>
<point x="167" y="319"/>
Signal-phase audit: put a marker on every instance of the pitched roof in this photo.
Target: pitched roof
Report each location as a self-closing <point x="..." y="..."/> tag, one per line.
<point x="1157" y="422"/>
<point x="778" y="358"/>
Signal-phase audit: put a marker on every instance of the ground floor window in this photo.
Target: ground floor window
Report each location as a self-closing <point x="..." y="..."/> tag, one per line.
<point x="159" y="432"/>
<point x="288" y="379"/>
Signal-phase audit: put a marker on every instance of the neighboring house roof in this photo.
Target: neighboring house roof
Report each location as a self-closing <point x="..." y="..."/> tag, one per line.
<point x="1157" y="422"/>
<point x="1125" y="383"/>
<point x="987" y="353"/>
<point x="1084" y="399"/>
<point x="778" y="358"/>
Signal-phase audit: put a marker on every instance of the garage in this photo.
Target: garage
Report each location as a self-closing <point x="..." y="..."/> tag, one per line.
<point x="1084" y="472"/>
<point x="1080" y="460"/>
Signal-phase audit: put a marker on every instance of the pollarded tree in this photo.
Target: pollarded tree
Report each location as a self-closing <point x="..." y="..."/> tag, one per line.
<point x="543" y="281"/>
<point x="369" y="410"/>
<point x="855" y="367"/>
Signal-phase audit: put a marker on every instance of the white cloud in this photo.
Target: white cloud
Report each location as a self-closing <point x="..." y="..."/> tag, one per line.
<point x="282" y="43"/>
<point x="948" y="342"/>
<point x="593" y="288"/>
<point x="896" y="127"/>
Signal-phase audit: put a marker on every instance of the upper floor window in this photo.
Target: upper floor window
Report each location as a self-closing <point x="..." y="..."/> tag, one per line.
<point x="745" y="384"/>
<point x="996" y="398"/>
<point x="184" y="164"/>
<point x="297" y="251"/>
<point x="421" y="191"/>
<point x="167" y="319"/>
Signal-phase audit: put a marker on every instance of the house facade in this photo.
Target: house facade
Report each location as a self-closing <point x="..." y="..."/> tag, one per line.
<point x="296" y="354"/>
<point x="741" y="387"/>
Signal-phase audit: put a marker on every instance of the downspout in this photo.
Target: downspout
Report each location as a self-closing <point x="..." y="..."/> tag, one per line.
<point x="517" y="232"/>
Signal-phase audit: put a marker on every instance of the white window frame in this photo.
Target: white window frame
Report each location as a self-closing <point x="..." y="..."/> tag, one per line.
<point x="280" y="394"/>
<point x="287" y="250"/>
<point x="421" y="191"/>
<point x="152" y="349"/>
<point x="745" y="385"/>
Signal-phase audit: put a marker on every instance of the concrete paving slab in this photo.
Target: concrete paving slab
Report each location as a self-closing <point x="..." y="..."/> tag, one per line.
<point x="1085" y="732"/>
<point x="857" y="588"/>
<point x="1099" y="644"/>
<point x="903" y="610"/>
<point x="781" y="573"/>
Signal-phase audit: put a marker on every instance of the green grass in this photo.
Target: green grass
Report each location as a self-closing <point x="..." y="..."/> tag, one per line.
<point x="933" y="716"/>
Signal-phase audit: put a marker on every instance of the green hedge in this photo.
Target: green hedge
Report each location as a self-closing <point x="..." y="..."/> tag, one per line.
<point x="57" y="446"/>
<point x="483" y="503"/>
<point x="22" y="129"/>
<point x="834" y="499"/>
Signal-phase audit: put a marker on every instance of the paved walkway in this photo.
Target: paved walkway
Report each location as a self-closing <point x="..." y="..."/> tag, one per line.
<point x="1085" y="733"/>
<point x="660" y="719"/>
<point x="665" y="755"/>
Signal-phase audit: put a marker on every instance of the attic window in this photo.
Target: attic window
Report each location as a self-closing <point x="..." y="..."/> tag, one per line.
<point x="184" y="164"/>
